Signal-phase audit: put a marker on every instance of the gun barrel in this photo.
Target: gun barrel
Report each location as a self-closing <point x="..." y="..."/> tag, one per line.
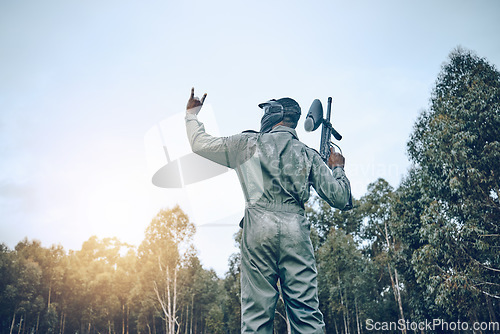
<point x="329" y="109"/>
<point x="326" y="132"/>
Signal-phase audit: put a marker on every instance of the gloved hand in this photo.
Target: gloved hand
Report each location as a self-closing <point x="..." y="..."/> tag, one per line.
<point x="194" y="103"/>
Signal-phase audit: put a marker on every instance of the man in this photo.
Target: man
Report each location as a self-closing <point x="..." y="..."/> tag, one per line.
<point x="275" y="171"/>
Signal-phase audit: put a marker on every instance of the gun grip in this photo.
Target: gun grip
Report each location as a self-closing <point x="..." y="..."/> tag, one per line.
<point x="336" y="134"/>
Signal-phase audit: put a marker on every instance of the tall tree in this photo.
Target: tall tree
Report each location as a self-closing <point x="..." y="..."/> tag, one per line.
<point x="24" y="290"/>
<point x="358" y="278"/>
<point x="323" y="218"/>
<point x="456" y="151"/>
<point x="343" y="283"/>
<point x="168" y="237"/>
<point x="124" y="281"/>
<point x="96" y="264"/>
<point x="232" y="288"/>
<point x="378" y="238"/>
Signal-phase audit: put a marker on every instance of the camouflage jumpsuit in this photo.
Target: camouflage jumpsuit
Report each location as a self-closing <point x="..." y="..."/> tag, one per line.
<point x="275" y="171"/>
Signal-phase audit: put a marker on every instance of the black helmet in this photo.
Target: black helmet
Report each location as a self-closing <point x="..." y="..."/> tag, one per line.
<point x="275" y="111"/>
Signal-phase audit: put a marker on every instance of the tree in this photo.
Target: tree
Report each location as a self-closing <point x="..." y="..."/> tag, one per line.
<point x="323" y="218"/>
<point x="160" y="254"/>
<point x="456" y="212"/>
<point x="200" y="298"/>
<point x="6" y="291"/>
<point x="377" y="232"/>
<point x="356" y="262"/>
<point x="24" y="289"/>
<point x="124" y="281"/>
<point x="342" y="283"/>
<point x="232" y="289"/>
<point x="215" y="320"/>
<point x="96" y="265"/>
<point x="50" y="262"/>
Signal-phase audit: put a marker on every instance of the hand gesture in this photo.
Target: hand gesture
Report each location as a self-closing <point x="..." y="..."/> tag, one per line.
<point x="194" y="103"/>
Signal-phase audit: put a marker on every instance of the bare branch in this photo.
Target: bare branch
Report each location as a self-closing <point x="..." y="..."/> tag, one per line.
<point x="162" y="304"/>
<point x="479" y="263"/>
<point x="486" y="293"/>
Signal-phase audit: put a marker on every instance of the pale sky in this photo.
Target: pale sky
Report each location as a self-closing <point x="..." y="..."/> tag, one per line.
<point x="83" y="83"/>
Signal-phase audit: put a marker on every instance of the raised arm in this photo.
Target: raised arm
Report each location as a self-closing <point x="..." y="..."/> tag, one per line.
<point x="222" y="150"/>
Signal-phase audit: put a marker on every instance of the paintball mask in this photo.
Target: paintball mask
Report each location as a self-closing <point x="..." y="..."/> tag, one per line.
<point x="275" y="111"/>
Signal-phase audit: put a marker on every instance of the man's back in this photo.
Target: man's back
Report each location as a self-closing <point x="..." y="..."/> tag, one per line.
<point x="276" y="167"/>
<point x="276" y="171"/>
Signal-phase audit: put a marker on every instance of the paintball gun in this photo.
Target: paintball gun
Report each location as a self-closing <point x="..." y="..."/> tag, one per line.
<point x="313" y="120"/>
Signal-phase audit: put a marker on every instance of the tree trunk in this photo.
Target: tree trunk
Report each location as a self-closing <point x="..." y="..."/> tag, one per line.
<point x="168" y="299"/>
<point x="395" y="286"/>
<point x="400" y="304"/>
<point x="397" y="296"/>
<point x="358" y="325"/>
<point x="12" y="323"/>
<point x="128" y="317"/>
<point x="192" y="314"/>
<point x="347" y="312"/>
<point x="50" y="292"/>
<point x="63" y="322"/>
<point x="187" y="319"/>
<point x="37" y="322"/>
<point x="20" y="325"/>
<point x="173" y="317"/>
<point x="491" y="311"/>
<point x="343" y="307"/>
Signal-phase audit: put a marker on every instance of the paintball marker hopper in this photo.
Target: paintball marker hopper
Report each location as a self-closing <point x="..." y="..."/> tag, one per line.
<point x="314" y="119"/>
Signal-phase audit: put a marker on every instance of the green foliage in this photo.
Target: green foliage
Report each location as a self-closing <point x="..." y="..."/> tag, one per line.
<point x="215" y="320"/>
<point x="107" y="286"/>
<point x="449" y="203"/>
<point x="323" y="218"/>
<point x="232" y="295"/>
<point x="354" y="263"/>
<point x="340" y="278"/>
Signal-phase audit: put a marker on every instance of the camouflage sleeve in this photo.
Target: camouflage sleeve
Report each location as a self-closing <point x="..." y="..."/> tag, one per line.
<point x="331" y="185"/>
<point x="222" y="150"/>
